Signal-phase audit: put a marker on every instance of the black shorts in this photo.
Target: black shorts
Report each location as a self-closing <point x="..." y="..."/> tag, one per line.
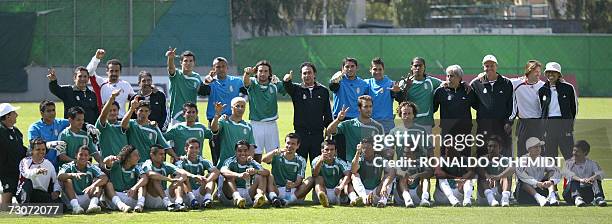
<point x="9" y="185"/>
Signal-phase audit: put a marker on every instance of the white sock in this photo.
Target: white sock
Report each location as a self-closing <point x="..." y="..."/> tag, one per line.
<point x="94" y="201"/>
<point x="236" y="195"/>
<point x="358" y="186"/>
<point x="352" y="196"/>
<point x="272" y="195"/>
<point x="141" y="201"/>
<point x="446" y="189"/>
<point x="538" y="197"/>
<point x="167" y="201"/>
<point x="74" y="203"/>
<point x="406" y="196"/>
<point x="425" y="195"/>
<point x="207" y="196"/>
<point x="117" y="201"/>
<point x="178" y="200"/>
<point x="489" y="194"/>
<point x="506" y="195"/>
<point x="552" y="195"/>
<point x="190" y="196"/>
<point x="467" y="190"/>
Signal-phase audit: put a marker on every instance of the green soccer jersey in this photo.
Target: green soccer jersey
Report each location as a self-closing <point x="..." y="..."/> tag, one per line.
<point x="179" y="133"/>
<point x="233" y="165"/>
<point x="231" y="132"/>
<point x="332" y="173"/>
<point x="371" y="175"/>
<point x="354" y="131"/>
<point x="422" y="93"/>
<point x="183" y="89"/>
<point x="112" y="138"/>
<point x="195" y="167"/>
<point x="164" y="169"/>
<point x="80" y="184"/>
<point x="411" y="136"/>
<point x="142" y="137"/>
<point x="75" y="140"/>
<point x="124" y="179"/>
<point x="263" y="105"/>
<point x="284" y="169"/>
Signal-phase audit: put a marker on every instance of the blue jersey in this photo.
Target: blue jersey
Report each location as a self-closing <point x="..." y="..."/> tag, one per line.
<point x="346" y="95"/>
<point x="223" y="91"/>
<point x="48" y="132"/>
<point x="382" y="103"/>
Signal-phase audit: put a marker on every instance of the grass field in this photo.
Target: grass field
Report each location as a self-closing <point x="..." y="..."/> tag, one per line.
<point x="593" y="111"/>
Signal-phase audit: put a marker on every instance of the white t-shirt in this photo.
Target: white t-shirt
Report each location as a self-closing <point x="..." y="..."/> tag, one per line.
<point x="107" y="88"/>
<point x="553" y="109"/>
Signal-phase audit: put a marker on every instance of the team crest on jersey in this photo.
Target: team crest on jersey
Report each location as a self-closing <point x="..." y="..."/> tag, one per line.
<point x="195" y="85"/>
<point x="84" y="141"/>
<point x="304" y="96"/>
<point x="78" y="98"/>
<point x="357" y="89"/>
<point x="244" y="130"/>
<point x="231" y="88"/>
<point x="271" y="90"/>
<point x="484" y="91"/>
<point x="150" y="136"/>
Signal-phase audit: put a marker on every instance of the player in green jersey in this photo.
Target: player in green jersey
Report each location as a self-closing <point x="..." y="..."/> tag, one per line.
<point x="199" y="191"/>
<point x="125" y="190"/>
<point x="491" y="186"/>
<point x="180" y="132"/>
<point x="141" y="132"/>
<point x="231" y="128"/>
<point x="371" y="183"/>
<point x="112" y="137"/>
<point x="332" y="177"/>
<point x="184" y="83"/>
<point x="82" y="183"/>
<point x="75" y="137"/>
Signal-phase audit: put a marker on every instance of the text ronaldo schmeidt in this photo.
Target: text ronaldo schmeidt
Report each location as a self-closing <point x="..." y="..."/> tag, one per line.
<point x="468" y="162"/>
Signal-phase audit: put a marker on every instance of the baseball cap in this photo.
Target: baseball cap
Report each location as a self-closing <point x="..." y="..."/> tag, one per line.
<point x="489" y="57"/>
<point x="553" y="66"/>
<point x="6" y="108"/>
<point x="533" y="141"/>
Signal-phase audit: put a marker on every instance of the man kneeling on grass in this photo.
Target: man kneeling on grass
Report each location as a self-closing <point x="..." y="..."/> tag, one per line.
<point x="245" y="180"/>
<point x="288" y="171"/>
<point x="332" y="178"/>
<point x="158" y="171"/>
<point x="82" y="183"/>
<point x="127" y="181"/>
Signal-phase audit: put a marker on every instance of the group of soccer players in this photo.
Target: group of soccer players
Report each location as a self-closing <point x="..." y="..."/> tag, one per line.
<point x="129" y="144"/>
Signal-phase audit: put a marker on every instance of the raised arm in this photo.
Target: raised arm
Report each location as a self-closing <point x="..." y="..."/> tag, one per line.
<point x="246" y="76"/>
<point x="214" y="125"/>
<point x="104" y="115"/>
<point x="125" y="122"/>
<point x="333" y="126"/>
<point x="170" y="54"/>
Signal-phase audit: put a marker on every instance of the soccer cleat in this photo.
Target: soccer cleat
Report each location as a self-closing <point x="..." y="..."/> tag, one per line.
<point x="494" y="203"/>
<point x="358" y="202"/>
<point x="467" y="202"/>
<point x="124" y="208"/>
<point x="579" y="202"/>
<point x="381" y="204"/>
<point x="425" y="203"/>
<point x="599" y="201"/>
<point x="239" y="202"/>
<point x="182" y="207"/>
<point x="284" y="203"/>
<point x="172" y="207"/>
<point x="77" y="210"/>
<point x="194" y="204"/>
<point x="277" y="202"/>
<point x="260" y="200"/>
<point x="93" y="208"/>
<point x="323" y="199"/>
<point x="541" y="200"/>
<point x="207" y="203"/>
<point x="138" y="209"/>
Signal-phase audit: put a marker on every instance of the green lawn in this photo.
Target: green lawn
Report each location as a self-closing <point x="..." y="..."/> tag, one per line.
<point x="595" y="131"/>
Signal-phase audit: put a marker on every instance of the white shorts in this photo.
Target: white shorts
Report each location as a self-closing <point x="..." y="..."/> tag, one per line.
<point x="156" y="202"/>
<point x="331" y="197"/>
<point x="441" y="199"/>
<point x="198" y="196"/>
<point x="124" y="198"/>
<point x="266" y="135"/>
<point x="282" y="193"/>
<point x="244" y="193"/>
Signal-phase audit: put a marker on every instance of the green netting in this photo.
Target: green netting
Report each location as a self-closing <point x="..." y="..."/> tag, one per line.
<point x="585" y="56"/>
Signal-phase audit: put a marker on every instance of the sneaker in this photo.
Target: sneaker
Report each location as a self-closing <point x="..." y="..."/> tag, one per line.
<point x="283" y="203"/>
<point x="277" y="202"/>
<point x="239" y="202"/>
<point x="599" y="201"/>
<point x="553" y="201"/>
<point x="207" y="203"/>
<point x="77" y="210"/>
<point x="410" y="204"/>
<point x="381" y="204"/>
<point x="453" y="201"/>
<point x="138" y="209"/>
<point x="323" y="199"/>
<point x="194" y="204"/>
<point x="425" y="203"/>
<point x="467" y="202"/>
<point x="505" y="202"/>
<point x="93" y="209"/>
<point x="494" y="203"/>
<point x="542" y="201"/>
<point x="172" y="207"/>
<point x="260" y="200"/>
<point x="182" y="207"/>
<point x="579" y="202"/>
<point x="124" y="208"/>
<point x="358" y="202"/>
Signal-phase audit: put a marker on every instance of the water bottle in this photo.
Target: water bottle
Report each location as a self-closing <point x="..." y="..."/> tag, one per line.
<point x="247" y="183"/>
<point x="287" y="194"/>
